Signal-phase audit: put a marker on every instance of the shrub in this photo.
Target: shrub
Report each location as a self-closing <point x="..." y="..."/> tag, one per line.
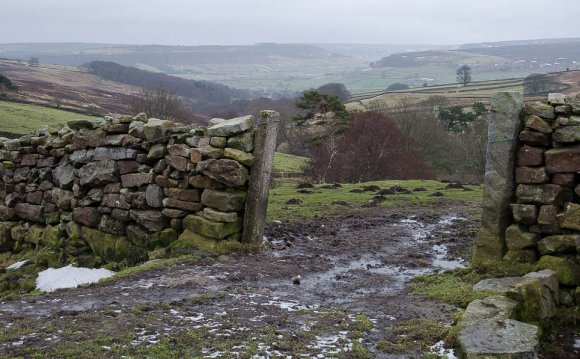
<point x="372" y="148"/>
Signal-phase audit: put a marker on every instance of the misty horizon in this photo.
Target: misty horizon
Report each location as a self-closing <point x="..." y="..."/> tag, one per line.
<point x="222" y="22"/>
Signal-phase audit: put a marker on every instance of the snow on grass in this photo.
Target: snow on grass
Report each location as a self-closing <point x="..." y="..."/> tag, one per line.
<point x="18" y="265"/>
<point x="69" y="277"/>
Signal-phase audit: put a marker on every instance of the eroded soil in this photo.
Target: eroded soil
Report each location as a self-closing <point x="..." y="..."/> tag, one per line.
<point x="353" y="275"/>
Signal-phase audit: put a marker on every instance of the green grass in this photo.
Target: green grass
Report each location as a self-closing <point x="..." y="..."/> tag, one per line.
<point x="285" y="163"/>
<point x="320" y="202"/>
<point x="22" y="118"/>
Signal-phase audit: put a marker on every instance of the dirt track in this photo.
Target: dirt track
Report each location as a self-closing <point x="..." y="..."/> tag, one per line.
<point x="353" y="269"/>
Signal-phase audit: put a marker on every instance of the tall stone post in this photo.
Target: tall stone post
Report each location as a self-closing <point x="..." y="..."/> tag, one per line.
<point x="257" y="202"/>
<point x="504" y="127"/>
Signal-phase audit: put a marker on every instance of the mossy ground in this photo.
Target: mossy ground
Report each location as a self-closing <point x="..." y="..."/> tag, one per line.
<point x="326" y="202"/>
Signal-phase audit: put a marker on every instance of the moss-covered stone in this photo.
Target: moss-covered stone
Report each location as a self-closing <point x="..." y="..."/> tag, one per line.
<point x="208" y="228"/>
<point x="567" y="271"/>
<point x="162" y="239"/>
<point x="520" y="256"/>
<point x="240" y="156"/>
<point x="190" y="242"/>
<point x="51" y="236"/>
<point x="558" y="244"/>
<point x="34" y="234"/>
<point x="111" y="247"/>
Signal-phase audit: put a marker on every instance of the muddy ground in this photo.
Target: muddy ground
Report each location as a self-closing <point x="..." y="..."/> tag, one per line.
<point x="353" y="271"/>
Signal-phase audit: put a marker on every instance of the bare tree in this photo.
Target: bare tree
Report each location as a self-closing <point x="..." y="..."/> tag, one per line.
<point x="34" y="61"/>
<point x="463" y="75"/>
<point x="158" y="102"/>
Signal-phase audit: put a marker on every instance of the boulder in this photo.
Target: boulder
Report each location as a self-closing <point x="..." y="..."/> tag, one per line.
<point x="505" y="339"/>
<point x="115" y="153"/>
<point x="111" y="225"/>
<point x="572" y="217"/>
<point x="243" y="142"/>
<point x="543" y="194"/>
<point x="563" y="160"/>
<point x="494" y="307"/>
<point x="62" y="198"/>
<point x="98" y="173"/>
<point x="218" y="216"/>
<point x="231" y="127"/>
<point x="64" y="176"/>
<point x="85" y="138"/>
<point x="533" y="138"/>
<point x="156" y="151"/>
<point x="538" y="124"/>
<point x="162" y="239"/>
<point x="183" y="205"/>
<point x="567" y="271"/>
<point x="517" y="237"/>
<point x="136" y="129"/>
<point x="190" y="242"/>
<point x="558" y="244"/>
<point x="136" y="179"/>
<point x="196" y="155"/>
<point x="229" y="172"/>
<point x="524" y="213"/>
<point x="87" y="216"/>
<point x="211" y="229"/>
<point x="179" y="150"/>
<point x="244" y="158"/>
<point x="217" y="141"/>
<point x="154" y="196"/>
<point x="151" y="220"/>
<point x="179" y="163"/>
<point x="155" y="129"/>
<point x="567" y="134"/>
<point x="547" y="215"/>
<point x="115" y="200"/>
<point x="128" y="167"/>
<point x="200" y="181"/>
<point x="30" y="212"/>
<point x="540" y="109"/>
<point x="532" y="175"/>
<point x="225" y="201"/>
<point x="521" y="256"/>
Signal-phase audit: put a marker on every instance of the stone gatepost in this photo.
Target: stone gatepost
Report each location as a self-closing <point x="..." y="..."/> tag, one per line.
<point x="504" y="126"/>
<point x="257" y="202"/>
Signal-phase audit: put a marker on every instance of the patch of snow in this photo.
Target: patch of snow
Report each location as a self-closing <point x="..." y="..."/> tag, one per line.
<point x="69" y="277"/>
<point x="18" y="265"/>
<point x="577" y="343"/>
<point x="439" y="349"/>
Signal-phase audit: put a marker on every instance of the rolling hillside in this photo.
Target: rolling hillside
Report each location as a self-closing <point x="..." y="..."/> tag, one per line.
<point x="458" y="94"/>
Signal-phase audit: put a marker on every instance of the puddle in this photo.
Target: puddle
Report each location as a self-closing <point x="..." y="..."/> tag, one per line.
<point x="441" y="252"/>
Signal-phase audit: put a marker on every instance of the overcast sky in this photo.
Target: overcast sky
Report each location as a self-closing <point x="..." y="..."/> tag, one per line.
<point x="197" y="22"/>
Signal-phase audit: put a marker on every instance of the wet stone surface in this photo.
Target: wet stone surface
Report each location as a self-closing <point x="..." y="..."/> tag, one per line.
<point x="354" y="270"/>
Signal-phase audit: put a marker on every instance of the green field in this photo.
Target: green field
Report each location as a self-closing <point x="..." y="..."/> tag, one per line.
<point x="285" y="163"/>
<point x="20" y="118"/>
<point x="322" y="202"/>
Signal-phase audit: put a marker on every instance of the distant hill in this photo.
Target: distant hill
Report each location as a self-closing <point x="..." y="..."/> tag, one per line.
<point x="161" y="56"/>
<point x="203" y="96"/>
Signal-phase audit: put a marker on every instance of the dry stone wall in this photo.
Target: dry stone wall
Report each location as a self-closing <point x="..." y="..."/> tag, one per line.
<point x="546" y="207"/>
<point x="125" y="189"/>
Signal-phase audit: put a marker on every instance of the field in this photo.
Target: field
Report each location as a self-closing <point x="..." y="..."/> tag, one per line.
<point x="67" y="87"/>
<point x="456" y="93"/>
<point x="19" y="118"/>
